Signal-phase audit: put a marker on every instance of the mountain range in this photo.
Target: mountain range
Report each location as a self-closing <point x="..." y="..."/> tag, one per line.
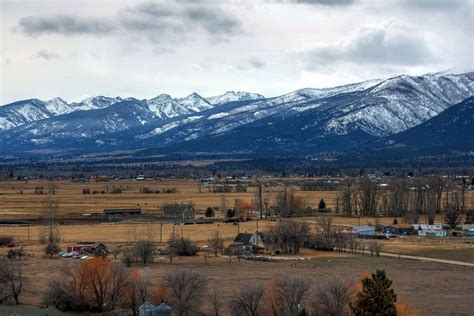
<point x="396" y="112"/>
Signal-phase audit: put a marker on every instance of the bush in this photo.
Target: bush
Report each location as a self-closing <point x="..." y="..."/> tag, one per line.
<point x="185" y="247"/>
<point x="6" y="240"/>
<point x="86" y="191"/>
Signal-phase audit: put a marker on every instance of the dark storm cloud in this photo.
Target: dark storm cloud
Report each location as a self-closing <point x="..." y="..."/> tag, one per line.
<point x="152" y="20"/>
<point x="67" y="25"/>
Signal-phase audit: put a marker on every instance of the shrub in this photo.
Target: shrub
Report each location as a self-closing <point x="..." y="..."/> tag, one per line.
<point x="185" y="247"/>
<point x="86" y="191"/>
<point x="6" y="240"/>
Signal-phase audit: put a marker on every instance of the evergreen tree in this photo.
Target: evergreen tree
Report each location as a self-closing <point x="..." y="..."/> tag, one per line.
<point x="376" y="296"/>
<point x="209" y="212"/>
<point x="322" y="205"/>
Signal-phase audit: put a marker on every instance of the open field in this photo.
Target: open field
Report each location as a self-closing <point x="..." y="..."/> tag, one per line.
<point x="18" y="199"/>
<point x="434" y="289"/>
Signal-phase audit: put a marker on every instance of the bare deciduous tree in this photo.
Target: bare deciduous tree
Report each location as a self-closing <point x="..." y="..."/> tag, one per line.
<point x="369" y="195"/>
<point x="452" y="216"/>
<point x="333" y="298"/>
<point x="216" y="243"/>
<point x="289" y="235"/>
<point x="185" y="288"/>
<point x="216" y="301"/>
<point x="137" y="292"/>
<point x="375" y="247"/>
<point x="247" y="300"/>
<point x="327" y="228"/>
<point x="144" y="250"/>
<point x="289" y="294"/>
<point x="11" y="280"/>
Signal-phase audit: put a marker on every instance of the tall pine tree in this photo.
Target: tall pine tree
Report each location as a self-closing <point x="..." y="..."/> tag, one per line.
<point x="376" y="297"/>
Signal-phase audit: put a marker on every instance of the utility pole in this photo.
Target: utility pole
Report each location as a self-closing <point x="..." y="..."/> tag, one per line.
<point x="161" y="232"/>
<point x="260" y="199"/>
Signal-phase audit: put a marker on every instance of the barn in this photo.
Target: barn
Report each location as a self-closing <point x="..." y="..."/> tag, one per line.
<point x="178" y="212"/>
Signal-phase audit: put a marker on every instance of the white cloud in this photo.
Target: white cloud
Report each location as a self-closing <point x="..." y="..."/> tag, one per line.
<point x="389" y="43"/>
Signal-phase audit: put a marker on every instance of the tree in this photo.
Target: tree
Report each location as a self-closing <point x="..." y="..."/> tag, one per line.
<point x="376" y="297"/>
<point x="328" y="229"/>
<point x="247" y="299"/>
<point x="289" y="235"/>
<point x="289" y="293"/>
<point x="97" y="284"/>
<point x="322" y="205"/>
<point x="137" y="292"/>
<point x="369" y="195"/>
<point x="216" y="301"/>
<point x="209" y="212"/>
<point x="144" y="250"/>
<point x="333" y="297"/>
<point x="11" y="280"/>
<point x="51" y="249"/>
<point x="185" y="289"/>
<point x="452" y="216"/>
<point x="216" y="243"/>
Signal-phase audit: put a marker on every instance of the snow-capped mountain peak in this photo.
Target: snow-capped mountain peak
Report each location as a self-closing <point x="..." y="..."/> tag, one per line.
<point x="232" y="96"/>
<point x="194" y="102"/>
<point x="58" y="106"/>
<point x="94" y="103"/>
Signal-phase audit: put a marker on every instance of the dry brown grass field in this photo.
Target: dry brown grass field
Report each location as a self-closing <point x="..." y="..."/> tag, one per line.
<point x="18" y="199"/>
<point x="431" y="288"/>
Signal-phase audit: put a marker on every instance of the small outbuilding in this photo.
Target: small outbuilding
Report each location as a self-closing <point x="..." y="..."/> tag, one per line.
<point x="113" y="213"/>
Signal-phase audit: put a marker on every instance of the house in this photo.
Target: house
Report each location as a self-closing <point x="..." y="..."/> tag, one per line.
<point x="364" y="231"/>
<point x="399" y="229"/>
<point x="246" y="242"/>
<point x="112" y="213"/>
<point x="249" y="239"/>
<point x="178" y="211"/>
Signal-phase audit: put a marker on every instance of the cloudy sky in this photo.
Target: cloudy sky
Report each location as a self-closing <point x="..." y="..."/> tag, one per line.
<point x="76" y="49"/>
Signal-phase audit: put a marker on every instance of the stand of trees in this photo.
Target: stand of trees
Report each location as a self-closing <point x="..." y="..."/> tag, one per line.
<point x="405" y="197"/>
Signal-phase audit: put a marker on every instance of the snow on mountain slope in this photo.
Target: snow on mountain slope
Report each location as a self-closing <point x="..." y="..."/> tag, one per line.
<point x="232" y="96"/>
<point x="375" y="108"/>
<point x="400" y="103"/>
<point x="316" y="119"/>
<point x="94" y="103"/>
<point x="22" y="112"/>
<point x="58" y="106"/>
<point x="195" y="103"/>
<point x="165" y="107"/>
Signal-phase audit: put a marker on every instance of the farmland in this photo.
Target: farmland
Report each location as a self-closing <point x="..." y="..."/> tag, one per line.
<point x="448" y="285"/>
<point x="18" y="199"/>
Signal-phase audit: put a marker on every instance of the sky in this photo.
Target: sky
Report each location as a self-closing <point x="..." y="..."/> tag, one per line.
<point x="77" y="49"/>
